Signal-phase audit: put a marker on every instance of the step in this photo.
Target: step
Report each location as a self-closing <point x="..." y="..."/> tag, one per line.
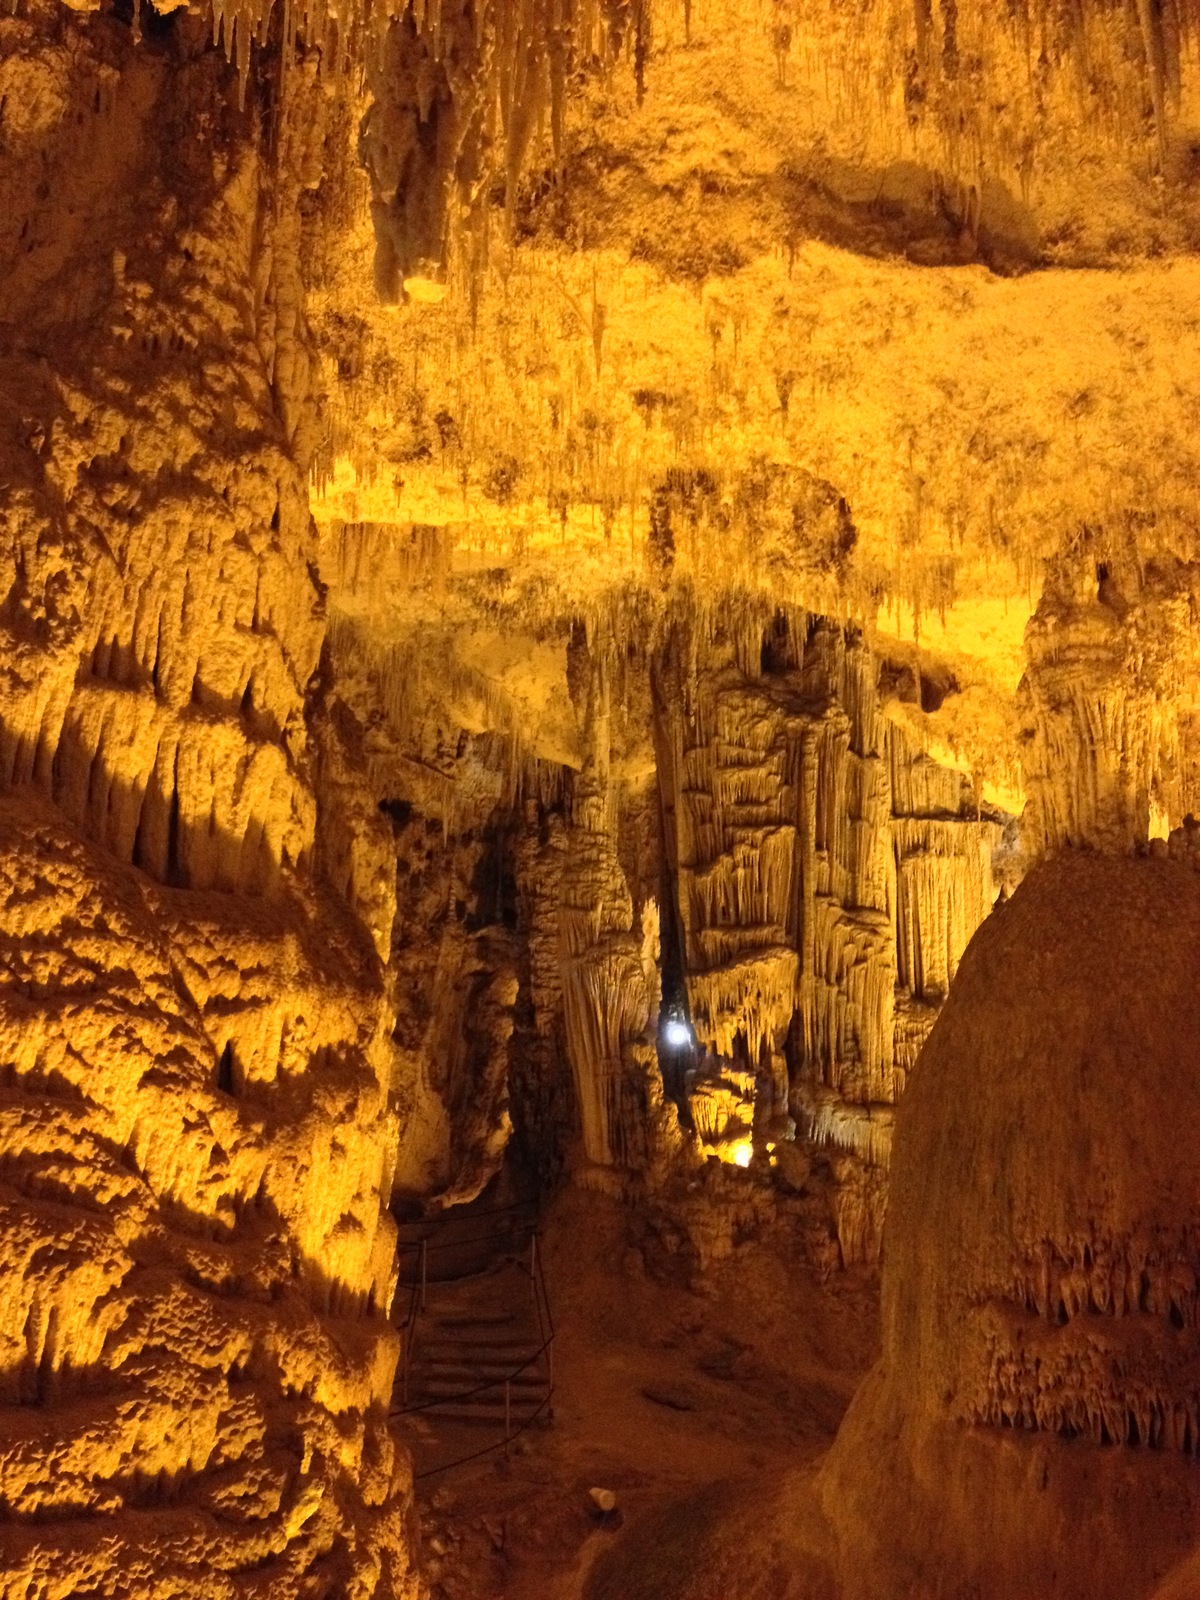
<point x="454" y="1361"/>
<point x="485" y="1371"/>
<point x="511" y="1332"/>
<point x="475" y="1349"/>
<point x="524" y="1399"/>
<point x="449" y="1320"/>
<point x="492" y="1416"/>
<point x="517" y="1333"/>
<point x="439" y="1382"/>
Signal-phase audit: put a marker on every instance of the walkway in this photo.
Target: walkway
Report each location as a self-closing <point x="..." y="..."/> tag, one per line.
<point x="477" y="1365"/>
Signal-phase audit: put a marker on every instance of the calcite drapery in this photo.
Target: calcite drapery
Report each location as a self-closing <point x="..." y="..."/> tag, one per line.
<point x="1109" y="698"/>
<point x="829" y="879"/>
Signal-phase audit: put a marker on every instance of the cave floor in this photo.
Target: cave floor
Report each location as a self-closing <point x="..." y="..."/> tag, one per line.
<point x="665" y="1394"/>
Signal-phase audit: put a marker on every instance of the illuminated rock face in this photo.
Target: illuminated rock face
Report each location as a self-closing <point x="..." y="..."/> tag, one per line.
<point x="1033" y="1424"/>
<point x="161" y="621"/>
<point x="197" y="1262"/>
<point x="829" y="879"/>
<point x="194" y="1391"/>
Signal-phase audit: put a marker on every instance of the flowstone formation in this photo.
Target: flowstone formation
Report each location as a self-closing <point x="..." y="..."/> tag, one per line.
<point x="193" y="1393"/>
<point x="197" y="1145"/>
<point x="829" y="879"/>
<point x="1034" y="1422"/>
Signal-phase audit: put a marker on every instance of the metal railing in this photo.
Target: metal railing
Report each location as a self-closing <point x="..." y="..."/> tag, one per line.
<point x="417" y="1301"/>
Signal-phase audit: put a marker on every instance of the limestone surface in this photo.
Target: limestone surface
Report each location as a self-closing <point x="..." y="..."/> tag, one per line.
<point x="1039" y="1310"/>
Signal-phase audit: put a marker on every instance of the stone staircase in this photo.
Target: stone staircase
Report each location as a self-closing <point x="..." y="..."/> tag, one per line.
<point x="477" y="1336"/>
<point x="484" y="1369"/>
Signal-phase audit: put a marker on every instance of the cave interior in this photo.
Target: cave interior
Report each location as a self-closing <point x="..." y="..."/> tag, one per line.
<point x="599" y="739"/>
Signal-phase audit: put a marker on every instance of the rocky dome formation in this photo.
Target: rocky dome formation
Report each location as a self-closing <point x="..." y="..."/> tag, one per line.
<point x="1033" y="1425"/>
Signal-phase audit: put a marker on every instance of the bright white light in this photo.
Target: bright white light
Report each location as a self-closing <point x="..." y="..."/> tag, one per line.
<point x="742" y="1151"/>
<point x="677" y="1034"/>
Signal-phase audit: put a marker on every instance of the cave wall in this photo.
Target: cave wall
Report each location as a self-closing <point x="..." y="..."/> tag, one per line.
<point x="198" y="1145"/>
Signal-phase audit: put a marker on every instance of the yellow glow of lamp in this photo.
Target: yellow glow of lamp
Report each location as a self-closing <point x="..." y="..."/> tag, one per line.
<point x="425" y="291"/>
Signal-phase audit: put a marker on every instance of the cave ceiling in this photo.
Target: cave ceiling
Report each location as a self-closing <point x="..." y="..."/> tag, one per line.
<point x="882" y="312"/>
<point x="775" y="324"/>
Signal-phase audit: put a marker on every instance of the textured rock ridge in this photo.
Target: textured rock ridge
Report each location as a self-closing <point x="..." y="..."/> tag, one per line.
<point x="198" y="1143"/>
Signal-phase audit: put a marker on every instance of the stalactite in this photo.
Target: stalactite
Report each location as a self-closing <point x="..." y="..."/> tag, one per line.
<point x="1108" y="746"/>
<point x="1150" y="18"/>
<point x="829" y="876"/>
<point x="1029" y="66"/>
<point x="864" y="1128"/>
<point x="944" y="889"/>
<point x="459" y="93"/>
